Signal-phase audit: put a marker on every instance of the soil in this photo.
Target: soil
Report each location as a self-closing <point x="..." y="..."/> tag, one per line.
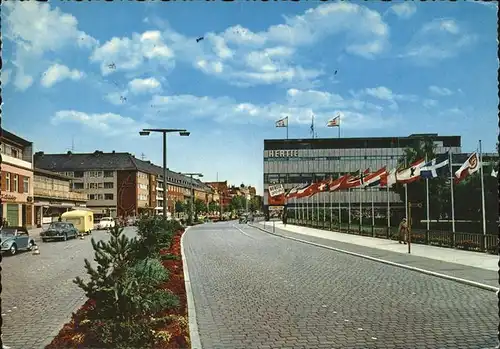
<point x="74" y="336"/>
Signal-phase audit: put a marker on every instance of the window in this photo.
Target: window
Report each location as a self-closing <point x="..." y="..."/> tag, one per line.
<point x="100" y="185"/>
<point x="99" y="196"/>
<point x="78" y="174"/>
<point x="77" y="185"/>
<point x="91" y="174"/>
<point x="91" y="185"/>
<point x="108" y="196"/>
<point x="91" y="196"/>
<point x="7" y="180"/>
<point x="26" y="184"/>
<point x="108" y="185"/>
<point x="16" y="184"/>
<point x="14" y="152"/>
<point x="108" y="174"/>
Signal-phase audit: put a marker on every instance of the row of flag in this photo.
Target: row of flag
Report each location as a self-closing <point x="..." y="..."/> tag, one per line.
<point x="335" y="122"/>
<point x="437" y="167"/>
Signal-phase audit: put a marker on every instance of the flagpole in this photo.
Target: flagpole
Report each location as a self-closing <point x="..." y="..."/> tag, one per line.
<point x="427" y="199"/>
<point x="340" y="214"/>
<point x="287" y="127"/>
<point x="360" y="212"/>
<point x="452" y="194"/>
<point x="388" y="208"/>
<point x="349" y="201"/>
<point x="307" y="208"/>
<point x="373" y="210"/>
<point x="317" y="209"/>
<point x="482" y="191"/>
<point x="339" y="127"/>
<point x="324" y="210"/>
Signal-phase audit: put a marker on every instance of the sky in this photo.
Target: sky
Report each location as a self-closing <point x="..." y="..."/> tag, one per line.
<point x="89" y="76"/>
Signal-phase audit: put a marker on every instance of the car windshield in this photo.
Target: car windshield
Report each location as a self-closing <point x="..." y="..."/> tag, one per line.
<point x="57" y="225"/>
<point x="8" y="232"/>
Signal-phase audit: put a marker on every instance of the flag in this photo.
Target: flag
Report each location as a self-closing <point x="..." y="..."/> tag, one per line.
<point x="324" y="185"/>
<point x="494" y="173"/>
<point x="282" y="122"/>
<point x="337" y="183"/>
<point x="410" y="174"/>
<point x="389" y="178"/>
<point x="354" y="181"/>
<point x="335" y="122"/>
<point x="436" y="167"/>
<point x="373" y="179"/>
<point x="469" y="167"/>
<point x="292" y="193"/>
<point x="311" y="189"/>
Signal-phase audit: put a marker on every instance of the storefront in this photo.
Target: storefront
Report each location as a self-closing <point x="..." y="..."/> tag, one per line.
<point x="17" y="209"/>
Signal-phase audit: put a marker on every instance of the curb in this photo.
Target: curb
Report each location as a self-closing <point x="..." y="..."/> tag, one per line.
<point x="419" y="270"/>
<point x="194" y="335"/>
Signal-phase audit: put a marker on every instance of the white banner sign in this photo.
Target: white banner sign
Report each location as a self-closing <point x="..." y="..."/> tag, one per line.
<point x="275" y="190"/>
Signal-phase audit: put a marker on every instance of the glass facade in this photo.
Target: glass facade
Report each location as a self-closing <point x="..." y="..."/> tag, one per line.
<point x="292" y="162"/>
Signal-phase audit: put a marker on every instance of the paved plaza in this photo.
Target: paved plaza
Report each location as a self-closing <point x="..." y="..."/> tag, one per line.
<point x="255" y="290"/>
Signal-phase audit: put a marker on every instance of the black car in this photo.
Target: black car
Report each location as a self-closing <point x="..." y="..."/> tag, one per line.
<point x="59" y="231"/>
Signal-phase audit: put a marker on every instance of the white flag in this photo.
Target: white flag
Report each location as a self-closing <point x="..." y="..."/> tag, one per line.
<point x="469" y="167"/>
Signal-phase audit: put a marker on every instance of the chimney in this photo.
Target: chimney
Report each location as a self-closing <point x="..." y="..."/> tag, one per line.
<point x="69" y="152"/>
<point x="113" y="152"/>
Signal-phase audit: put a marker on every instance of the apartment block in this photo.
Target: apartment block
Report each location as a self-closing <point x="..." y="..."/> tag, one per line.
<point x="16" y="180"/>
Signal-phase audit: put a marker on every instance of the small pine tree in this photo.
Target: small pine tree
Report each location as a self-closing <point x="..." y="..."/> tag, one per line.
<point x="125" y="290"/>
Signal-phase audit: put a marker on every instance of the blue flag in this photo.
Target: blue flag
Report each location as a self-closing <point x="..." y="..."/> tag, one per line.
<point x="437" y="167"/>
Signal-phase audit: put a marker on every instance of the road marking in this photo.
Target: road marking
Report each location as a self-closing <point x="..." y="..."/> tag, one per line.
<point x="419" y="270"/>
<point x="194" y="335"/>
<point x="251" y="237"/>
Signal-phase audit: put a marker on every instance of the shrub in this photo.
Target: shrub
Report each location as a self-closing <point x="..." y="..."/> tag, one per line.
<point x="126" y="289"/>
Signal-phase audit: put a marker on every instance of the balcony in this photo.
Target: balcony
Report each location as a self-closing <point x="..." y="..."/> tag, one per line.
<point x="60" y="194"/>
<point x="17" y="162"/>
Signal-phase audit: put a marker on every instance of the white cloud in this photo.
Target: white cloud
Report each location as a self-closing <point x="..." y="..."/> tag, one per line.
<point x="246" y="58"/>
<point x="107" y="124"/>
<point x="440" y="91"/>
<point x="404" y="10"/>
<point x="5" y="76"/>
<point x="128" y="54"/>
<point x="35" y="29"/>
<point x="429" y="103"/>
<point x="299" y="105"/>
<point x="438" y="40"/>
<point x="385" y="94"/>
<point x="138" y="86"/>
<point x="57" y="73"/>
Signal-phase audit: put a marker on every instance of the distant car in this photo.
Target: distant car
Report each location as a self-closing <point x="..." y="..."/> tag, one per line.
<point x="14" y="239"/>
<point x="106" y="223"/>
<point x="59" y="231"/>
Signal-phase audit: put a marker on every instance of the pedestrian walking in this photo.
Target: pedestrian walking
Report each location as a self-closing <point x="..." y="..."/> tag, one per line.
<point x="403" y="231"/>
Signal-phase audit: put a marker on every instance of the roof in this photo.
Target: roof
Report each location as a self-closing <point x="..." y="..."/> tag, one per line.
<point x="14" y="138"/>
<point x="51" y="174"/>
<point x="101" y="161"/>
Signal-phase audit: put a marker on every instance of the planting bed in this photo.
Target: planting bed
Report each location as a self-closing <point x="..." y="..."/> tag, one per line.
<point x="75" y="333"/>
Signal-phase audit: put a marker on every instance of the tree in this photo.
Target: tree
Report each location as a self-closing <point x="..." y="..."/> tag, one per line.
<point x="213" y="206"/>
<point x="237" y="203"/>
<point x="199" y="206"/>
<point x="180" y="207"/>
<point x="255" y="204"/>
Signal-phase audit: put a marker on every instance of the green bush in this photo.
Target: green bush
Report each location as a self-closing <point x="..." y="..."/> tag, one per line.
<point x="125" y="285"/>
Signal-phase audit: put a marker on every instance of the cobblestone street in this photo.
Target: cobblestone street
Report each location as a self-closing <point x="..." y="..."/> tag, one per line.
<point x="39" y="295"/>
<point x="254" y="290"/>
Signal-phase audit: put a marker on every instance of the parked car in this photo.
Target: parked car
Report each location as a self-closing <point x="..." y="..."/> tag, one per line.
<point x="14" y="239"/>
<point x="59" y="231"/>
<point x="106" y="223"/>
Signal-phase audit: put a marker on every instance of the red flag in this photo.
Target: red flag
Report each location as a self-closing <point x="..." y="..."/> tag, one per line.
<point x="355" y="181"/>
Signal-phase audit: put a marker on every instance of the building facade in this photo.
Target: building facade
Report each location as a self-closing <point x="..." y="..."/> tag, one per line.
<point x="291" y="162"/>
<point x="16" y="180"/>
<point x="53" y="195"/>
<point x="118" y="184"/>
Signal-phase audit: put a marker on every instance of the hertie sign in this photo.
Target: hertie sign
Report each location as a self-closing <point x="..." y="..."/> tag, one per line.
<point x="286" y="153"/>
<point x="275" y="190"/>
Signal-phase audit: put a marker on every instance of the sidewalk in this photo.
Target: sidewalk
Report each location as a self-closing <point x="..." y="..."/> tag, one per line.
<point x="473" y="266"/>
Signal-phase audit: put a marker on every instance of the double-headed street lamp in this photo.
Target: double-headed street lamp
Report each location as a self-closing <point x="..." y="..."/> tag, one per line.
<point x="192" y="193"/>
<point x="164" y="131"/>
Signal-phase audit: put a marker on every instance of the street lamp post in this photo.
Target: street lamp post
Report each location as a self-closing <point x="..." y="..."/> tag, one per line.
<point x="164" y="131"/>
<point x="192" y="193"/>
